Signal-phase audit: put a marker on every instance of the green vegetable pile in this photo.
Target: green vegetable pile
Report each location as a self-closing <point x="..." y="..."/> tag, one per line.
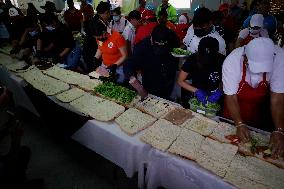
<point x="116" y="92"/>
<point x="209" y="105"/>
<point x="179" y="51"/>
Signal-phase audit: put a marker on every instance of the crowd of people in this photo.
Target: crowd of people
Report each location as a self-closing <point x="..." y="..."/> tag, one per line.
<point x="234" y="60"/>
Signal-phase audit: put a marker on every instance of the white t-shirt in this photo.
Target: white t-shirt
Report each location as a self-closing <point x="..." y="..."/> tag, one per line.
<point x="191" y="41"/>
<point x="245" y="32"/>
<point x="233" y="70"/>
<point x="129" y="34"/>
<point x="119" y="26"/>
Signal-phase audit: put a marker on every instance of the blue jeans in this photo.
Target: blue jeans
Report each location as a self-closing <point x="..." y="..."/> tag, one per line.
<point x="73" y="58"/>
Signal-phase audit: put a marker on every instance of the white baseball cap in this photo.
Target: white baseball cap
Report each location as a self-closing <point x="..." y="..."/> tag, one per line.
<point x="257" y="20"/>
<point x="260" y="55"/>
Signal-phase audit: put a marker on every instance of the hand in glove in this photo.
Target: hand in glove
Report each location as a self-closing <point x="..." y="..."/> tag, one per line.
<point x="215" y="96"/>
<point x="201" y="96"/>
<point x="135" y="83"/>
<point x="112" y="68"/>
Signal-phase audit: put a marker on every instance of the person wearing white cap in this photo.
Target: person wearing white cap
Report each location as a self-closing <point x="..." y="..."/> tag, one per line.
<point x="252" y="78"/>
<point x="253" y="31"/>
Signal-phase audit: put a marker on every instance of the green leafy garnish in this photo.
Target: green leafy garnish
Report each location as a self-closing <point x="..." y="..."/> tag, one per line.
<point x="254" y="142"/>
<point x="179" y="51"/>
<point x="116" y="92"/>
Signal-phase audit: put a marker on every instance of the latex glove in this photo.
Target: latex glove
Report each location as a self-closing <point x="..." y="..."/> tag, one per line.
<point x="112" y="68"/>
<point x="277" y="143"/>
<point x="243" y="133"/>
<point x="201" y="96"/>
<point x="135" y="83"/>
<point x="215" y="96"/>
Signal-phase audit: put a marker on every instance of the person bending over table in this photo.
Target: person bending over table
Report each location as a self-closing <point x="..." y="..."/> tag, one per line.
<point x="111" y="48"/>
<point x="205" y="70"/>
<point x="56" y="41"/>
<point x="252" y="78"/>
<point x="153" y="58"/>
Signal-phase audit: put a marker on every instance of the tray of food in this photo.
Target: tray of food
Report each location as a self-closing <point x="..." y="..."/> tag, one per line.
<point x="180" y="53"/>
<point x="208" y="109"/>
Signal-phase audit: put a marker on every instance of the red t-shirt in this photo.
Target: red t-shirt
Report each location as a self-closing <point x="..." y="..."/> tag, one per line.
<point x="181" y="30"/>
<point x="110" y="48"/>
<point x="87" y="11"/>
<point x="144" y="31"/>
<point x="73" y="19"/>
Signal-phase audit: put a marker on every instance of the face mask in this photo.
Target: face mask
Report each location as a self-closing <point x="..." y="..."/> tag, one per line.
<point x="50" y="28"/>
<point x="116" y="18"/>
<point x="33" y="33"/>
<point x="203" y="32"/>
<point x="254" y="31"/>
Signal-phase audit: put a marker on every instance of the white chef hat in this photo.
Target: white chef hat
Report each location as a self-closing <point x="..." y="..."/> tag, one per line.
<point x="257" y="20"/>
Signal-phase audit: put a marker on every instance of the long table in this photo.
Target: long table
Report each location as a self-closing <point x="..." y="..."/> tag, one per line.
<point x="16" y="86"/>
<point x="128" y="152"/>
<point x="108" y="140"/>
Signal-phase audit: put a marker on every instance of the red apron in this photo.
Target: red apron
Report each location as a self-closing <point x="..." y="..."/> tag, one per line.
<point x="247" y="40"/>
<point x="253" y="102"/>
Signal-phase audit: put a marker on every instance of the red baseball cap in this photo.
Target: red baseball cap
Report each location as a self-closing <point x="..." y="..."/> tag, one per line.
<point x="148" y="14"/>
<point x="224" y="7"/>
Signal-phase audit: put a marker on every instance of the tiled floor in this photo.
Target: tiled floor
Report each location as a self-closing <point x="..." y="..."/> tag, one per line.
<point x="64" y="164"/>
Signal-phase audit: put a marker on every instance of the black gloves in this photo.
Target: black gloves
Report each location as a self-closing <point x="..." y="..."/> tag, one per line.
<point x="112" y="68"/>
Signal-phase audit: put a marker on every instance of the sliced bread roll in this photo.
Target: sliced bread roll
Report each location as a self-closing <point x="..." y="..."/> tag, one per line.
<point x="200" y="125"/>
<point x="216" y="156"/>
<point x="178" y="116"/>
<point x="161" y="135"/>
<point x="67" y="76"/>
<point x="222" y="131"/>
<point x="250" y="172"/>
<point x="48" y="85"/>
<point x="106" y="111"/>
<point x="86" y="103"/>
<point x="88" y="84"/>
<point x="132" y="121"/>
<point x="187" y="144"/>
<point x="154" y="107"/>
<point x="70" y="95"/>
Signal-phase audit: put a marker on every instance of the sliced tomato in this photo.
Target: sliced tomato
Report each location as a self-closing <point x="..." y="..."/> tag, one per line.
<point x="235" y="140"/>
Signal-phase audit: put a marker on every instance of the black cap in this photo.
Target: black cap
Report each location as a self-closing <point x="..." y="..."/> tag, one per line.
<point x="201" y="16"/>
<point x="208" y="45"/>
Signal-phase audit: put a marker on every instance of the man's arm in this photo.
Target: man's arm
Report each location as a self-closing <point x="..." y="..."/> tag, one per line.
<point x="277" y="111"/>
<point x="231" y="102"/>
<point x="238" y="43"/>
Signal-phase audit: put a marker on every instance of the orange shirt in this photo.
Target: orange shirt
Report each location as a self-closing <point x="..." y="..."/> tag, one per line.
<point x="110" y="48"/>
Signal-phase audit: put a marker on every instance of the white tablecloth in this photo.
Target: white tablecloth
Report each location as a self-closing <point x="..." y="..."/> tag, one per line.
<point x="107" y="139"/>
<point x="173" y="172"/>
<point x="15" y="85"/>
